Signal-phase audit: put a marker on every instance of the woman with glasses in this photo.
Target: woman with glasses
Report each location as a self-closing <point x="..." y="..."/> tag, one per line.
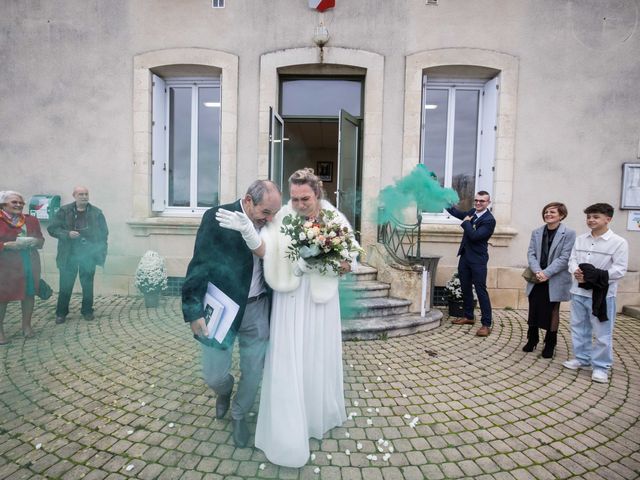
<point x="20" y="239"/>
<point x="548" y="255"/>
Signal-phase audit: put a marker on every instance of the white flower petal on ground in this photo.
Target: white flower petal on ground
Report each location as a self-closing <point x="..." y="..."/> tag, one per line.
<point x="316" y="470"/>
<point x="379" y="363"/>
<point x="385" y="443"/>
<point x="379" y="379"/>
<point x="355" y="403"/>
<point x="407" y="416"/>
<point x="377" y="410"/>
<point x="129" y="432"/>
<point x="38" y="446"/>
<point x="374" y="457"/>
<point x="386" y="457"/>
<point x="347" y="452"/>
<point x="380" y="441"/>
<point x="347" y="434"/>
<point x="369" y="421"/>
<point x="366" y="390"/>
<point x="313" y="457"/>
<point x="369" y="457"/>
<point x="391" y="449"/>
<point x="380" y="449"/>
<point x="359" y="446"/>
<point x="404" y="395"/>
<point x="142" y="403"/>
<point x="369" y="410"/>
<point x="329" y="456"/>
<point x="262" y="466"/>
<point x="129" y="467"/>
<point x="171" y="425"/>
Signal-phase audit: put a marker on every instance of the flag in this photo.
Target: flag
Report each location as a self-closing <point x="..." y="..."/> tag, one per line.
<point x="322" y="5"/>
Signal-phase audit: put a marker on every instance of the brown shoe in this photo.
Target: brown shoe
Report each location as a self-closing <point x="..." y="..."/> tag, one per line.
<point x="483" y="331"/>
<point x="462" y="321"/>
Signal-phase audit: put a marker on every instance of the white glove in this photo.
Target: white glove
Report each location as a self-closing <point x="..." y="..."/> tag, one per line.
<point x="301" y="267"/>
<point x="239" y="222"/>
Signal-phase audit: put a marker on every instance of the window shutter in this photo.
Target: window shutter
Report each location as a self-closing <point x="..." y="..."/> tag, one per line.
<point x="488" y="127"/>
<point x="159" y="146"/>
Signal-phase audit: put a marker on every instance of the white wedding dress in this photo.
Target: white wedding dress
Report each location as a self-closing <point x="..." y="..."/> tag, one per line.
<point x="302" y="388"/>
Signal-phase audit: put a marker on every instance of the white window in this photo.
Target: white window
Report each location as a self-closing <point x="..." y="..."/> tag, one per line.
<point x="185" y="144"/>
<point x="458" y="133"/>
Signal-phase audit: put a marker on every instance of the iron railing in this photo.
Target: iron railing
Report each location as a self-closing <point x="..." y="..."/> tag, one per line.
<point x="401" y="240"/>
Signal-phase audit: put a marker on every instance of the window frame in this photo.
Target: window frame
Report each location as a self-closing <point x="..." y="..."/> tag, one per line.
<point x="452" y="85"/>
<point x="195" y="83"/>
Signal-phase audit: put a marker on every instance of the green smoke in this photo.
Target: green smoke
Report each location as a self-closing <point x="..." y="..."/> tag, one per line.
<point x="349" y="306"/>
<point x="421" y="189"/>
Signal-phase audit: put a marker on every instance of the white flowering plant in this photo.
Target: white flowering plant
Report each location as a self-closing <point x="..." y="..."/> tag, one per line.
<point x="454" y="289"/>
<point x="151" y="274"/>
<point x="322" y="241"/>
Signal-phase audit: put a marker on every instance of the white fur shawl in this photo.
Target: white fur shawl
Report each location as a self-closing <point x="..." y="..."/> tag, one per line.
<point x="278" y="269"/>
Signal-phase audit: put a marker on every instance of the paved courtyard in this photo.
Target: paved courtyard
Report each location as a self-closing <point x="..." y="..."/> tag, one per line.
<point x="122" y="397"/>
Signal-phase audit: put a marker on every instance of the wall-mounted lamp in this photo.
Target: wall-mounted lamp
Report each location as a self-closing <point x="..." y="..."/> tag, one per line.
<point x="321" y="35"/>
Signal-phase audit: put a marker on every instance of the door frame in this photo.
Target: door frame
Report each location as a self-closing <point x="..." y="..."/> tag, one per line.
<point x="373" y="66"/>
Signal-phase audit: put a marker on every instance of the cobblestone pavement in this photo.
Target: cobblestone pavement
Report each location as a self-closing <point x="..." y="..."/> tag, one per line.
<point x="122" y="397"/>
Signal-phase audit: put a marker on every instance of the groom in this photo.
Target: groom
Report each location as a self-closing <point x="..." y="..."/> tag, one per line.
<point x="226" y="253"/>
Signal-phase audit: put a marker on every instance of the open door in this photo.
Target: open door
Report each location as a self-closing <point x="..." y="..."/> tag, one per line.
<point x="276" y="146"/>
<point x="347" y="196"/>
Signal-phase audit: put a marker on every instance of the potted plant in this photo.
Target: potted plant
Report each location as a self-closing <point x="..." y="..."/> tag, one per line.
<point x="151" y="277"/>
<point x="454" y="296"/>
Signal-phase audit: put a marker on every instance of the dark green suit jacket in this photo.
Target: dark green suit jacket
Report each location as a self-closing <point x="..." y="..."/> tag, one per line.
<point x="220" y="256"/>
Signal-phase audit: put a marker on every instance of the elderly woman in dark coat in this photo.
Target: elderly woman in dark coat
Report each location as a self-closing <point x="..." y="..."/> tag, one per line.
<point x="548" y="255"/>
<point x="20" y="237"/>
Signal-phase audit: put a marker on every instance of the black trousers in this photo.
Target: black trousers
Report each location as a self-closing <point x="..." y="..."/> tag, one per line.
<point x="474" y="275"/>
<point x="86" y="270"/>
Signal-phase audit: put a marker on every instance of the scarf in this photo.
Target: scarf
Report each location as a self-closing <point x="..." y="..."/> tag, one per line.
<point x="16" y="221"/>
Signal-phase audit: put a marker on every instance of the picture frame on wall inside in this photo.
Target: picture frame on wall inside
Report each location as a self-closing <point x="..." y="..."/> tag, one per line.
<point x="324" y="171"/>
<point x="630" y="186"/>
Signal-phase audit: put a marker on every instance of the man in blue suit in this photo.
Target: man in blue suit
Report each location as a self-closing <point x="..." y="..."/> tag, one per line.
<point x="478" y="225"/>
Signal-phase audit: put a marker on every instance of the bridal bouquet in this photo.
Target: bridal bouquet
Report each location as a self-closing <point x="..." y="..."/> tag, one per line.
<point x="322" y="241"/>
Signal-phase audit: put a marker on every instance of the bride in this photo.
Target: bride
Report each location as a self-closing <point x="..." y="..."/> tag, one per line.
<point x="302" y="390"/>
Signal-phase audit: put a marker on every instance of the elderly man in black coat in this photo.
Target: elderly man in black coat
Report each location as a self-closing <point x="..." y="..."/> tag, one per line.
<point x="226" y="253"/>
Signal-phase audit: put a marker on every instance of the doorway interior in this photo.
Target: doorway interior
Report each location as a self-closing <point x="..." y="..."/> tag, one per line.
<point x="319" y="125"/>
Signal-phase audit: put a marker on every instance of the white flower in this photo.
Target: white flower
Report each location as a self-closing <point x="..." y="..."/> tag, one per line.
<point x="302" y="236"/>
<point x="151" y="274"/>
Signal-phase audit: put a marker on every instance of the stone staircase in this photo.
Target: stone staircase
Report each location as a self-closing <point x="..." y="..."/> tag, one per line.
<point x="370" y="313"/>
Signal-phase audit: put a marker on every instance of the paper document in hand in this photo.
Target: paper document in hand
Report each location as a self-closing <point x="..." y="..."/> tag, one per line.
<point x="221" y="310"/>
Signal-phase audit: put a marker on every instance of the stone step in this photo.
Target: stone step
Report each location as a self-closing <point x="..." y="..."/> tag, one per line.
<point x="367" y="289"/>
<point x="362" y="274"/>
<point x="632" y="311"/>
<point x="379" y="307"/>
<point x="380" y="328"/>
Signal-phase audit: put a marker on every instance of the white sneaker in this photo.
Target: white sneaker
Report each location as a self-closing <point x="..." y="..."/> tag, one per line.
<point x="600" y="376"/>
<point x="575" y="364"/>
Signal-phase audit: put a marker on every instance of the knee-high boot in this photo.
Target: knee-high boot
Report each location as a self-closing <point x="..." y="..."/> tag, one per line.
<point x="532" y="339"/>
<point x="550" y="341"/>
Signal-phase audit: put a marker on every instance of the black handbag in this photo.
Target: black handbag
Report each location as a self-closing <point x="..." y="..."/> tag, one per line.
<point x="44" y="290"/>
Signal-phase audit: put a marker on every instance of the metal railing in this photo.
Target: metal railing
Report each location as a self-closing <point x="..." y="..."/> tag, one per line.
<point x="401" y="240"/>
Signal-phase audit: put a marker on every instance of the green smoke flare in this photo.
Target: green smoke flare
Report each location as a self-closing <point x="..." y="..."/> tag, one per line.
<point x="421" y="189"/>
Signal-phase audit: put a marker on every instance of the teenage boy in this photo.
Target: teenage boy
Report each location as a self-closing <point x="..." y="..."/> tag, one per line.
<point x="598" y="261"/>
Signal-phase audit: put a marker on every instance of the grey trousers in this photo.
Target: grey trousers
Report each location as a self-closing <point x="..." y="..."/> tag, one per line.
<point x="253" y="337"/>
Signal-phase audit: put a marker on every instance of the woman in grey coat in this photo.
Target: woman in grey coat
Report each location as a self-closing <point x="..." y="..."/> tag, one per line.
<point x="548" y="255"/>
